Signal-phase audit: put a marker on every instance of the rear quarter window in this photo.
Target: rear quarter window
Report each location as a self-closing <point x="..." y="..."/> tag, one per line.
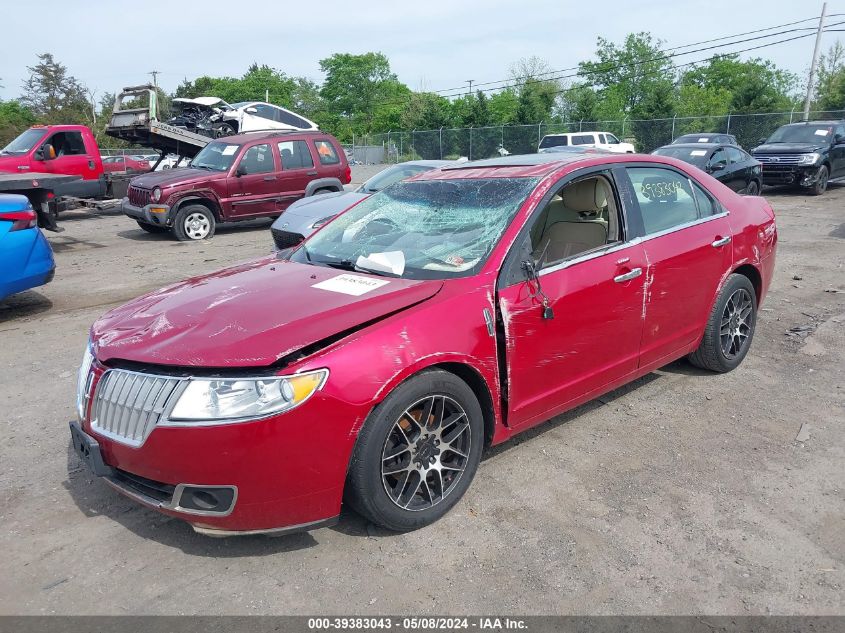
<point x="327" y="153"/>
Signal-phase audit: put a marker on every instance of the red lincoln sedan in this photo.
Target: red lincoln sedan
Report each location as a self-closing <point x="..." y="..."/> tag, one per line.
<point x="377" y="361"/>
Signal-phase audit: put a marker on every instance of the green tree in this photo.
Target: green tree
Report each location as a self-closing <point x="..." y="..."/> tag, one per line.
<point x="635" y="77"/>
<point x="830" y="89"/>
<point x="503" y="106"/>
<point x="356" y="85"/>
<point x="536" y="92"/>
<point x="53" y="95"/>
<point x="14" y="119"/>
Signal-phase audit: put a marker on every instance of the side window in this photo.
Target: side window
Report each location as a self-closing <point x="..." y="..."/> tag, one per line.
<point x="295" y="155"/>
<point x="612" y="139"/>
<point x="258" y="159"/>
<point x="602" y="139"/>
<point x="327" y="153"/>
<point x="706" y="204"/>
<point x="840" y="131"/>
<point x="583" y="139"/>
<point x="288" y="118"/>
<point x="264" y="111"/>
<point x="720" y="156"/>
<point x="580" y="217"/>
<point x="734" y="155"/>
<point x="666" y="198"/>
<point x="68" y="143"/>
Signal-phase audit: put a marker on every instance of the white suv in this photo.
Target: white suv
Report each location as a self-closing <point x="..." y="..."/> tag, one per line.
<point x="600" y="140"/>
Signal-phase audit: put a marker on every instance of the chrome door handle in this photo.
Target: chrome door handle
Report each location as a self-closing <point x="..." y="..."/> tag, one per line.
<point x="311" y="173"/>
<point x="269" y="178"/>
<point x="620" y="279"/>
<point x="721" y="242"/>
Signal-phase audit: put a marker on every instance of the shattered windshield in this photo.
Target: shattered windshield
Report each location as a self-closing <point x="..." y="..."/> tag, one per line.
<point x="23" y="143"/>
<point x="217" y="156"/>
<point x="432" y="229"/>
<point x="391" y="175"/>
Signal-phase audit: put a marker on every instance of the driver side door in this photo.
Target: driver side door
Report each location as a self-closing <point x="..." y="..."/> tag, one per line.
<point x="590" y="275"/>
<point x="254" y="187"/>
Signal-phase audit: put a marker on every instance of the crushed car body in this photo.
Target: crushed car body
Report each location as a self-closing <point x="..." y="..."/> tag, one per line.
<point x="211" y="116"/>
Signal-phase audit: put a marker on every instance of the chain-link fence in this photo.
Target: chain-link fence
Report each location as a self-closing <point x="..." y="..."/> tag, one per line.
<point x="476" y="143"/>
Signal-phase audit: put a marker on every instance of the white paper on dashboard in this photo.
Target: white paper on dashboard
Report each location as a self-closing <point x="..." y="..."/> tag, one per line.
<point x="703" y="140"/>
<point x="392" y="262"/>
<point x="821" y="132"/>
<point x="229" y="150"/>
<point x="698" y="152"/>
<point x="354" y="285"/>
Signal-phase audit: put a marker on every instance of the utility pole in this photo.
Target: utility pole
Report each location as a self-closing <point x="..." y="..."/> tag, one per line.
<point x="809" y="96"/>
<point x="266" y="95"/>
<point x="469" y="81"/>
<point x="155" y="73"/>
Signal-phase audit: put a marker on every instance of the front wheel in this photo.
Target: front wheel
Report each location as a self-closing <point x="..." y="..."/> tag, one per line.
<point x="753" y="189"/>
<point x="417" y="452"/>
<point x="194" y="222"/>
<point x="730" y="328"/>
<point x="820" y="185"/>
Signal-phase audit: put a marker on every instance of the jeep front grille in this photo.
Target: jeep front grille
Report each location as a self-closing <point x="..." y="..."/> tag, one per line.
<point x="139" y="197"/>
<point x="128" y="405"/>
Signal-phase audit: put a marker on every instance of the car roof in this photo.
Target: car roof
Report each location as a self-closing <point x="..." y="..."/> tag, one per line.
<point x="268" y="134"/>
<point x="800" y="123"/>
<point x="516" y="166"/>
<point x="697" y="145"/>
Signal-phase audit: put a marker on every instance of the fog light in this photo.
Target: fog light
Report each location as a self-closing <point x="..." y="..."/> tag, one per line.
<point x="218" y="500"/>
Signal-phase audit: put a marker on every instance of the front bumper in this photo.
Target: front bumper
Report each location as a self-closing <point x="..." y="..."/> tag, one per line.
<point x="803" y="175"/>
<point x="157" y="214"/>
<point x="286" y="472"/>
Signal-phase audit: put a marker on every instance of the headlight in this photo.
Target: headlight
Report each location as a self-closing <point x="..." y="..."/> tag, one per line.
<point x="809" y="159"/>
<point x="321" y="222"/>
<point x="82" y="379"/>
<point x="230" y="400"/>
<point x="156" y="194"/>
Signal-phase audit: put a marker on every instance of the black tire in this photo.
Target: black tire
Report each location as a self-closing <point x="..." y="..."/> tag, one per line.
<point x="723" y="347"/>
<point x="188" y="226"/>
<point x="753" y="189"/>
<point x="384" y="432"/>
<point x="320" y="192"/>
<point x="152" y="228"/>
<point x="223" y="129"/>
<point x="820" y="185"/>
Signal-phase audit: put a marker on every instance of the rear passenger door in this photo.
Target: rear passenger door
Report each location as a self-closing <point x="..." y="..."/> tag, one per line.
<point x="297" y="171"/>
<point x="254" y="189"/>
<point x="687" y="242"/>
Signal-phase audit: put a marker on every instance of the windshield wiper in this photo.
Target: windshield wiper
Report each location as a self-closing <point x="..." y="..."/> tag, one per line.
<point x="343" y="264"/>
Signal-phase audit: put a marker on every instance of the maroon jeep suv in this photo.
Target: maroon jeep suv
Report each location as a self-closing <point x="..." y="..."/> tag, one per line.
<point x="235" y="178"/>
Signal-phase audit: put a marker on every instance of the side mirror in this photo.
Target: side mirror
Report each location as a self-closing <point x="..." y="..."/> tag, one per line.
<point x="838" y="139"/>
<point x="251" y="110"/>
<point x="46" y="152"/>
<point x="718" y="167"/>
<point x="241" y="170"/>
<point x="762" y="141"/>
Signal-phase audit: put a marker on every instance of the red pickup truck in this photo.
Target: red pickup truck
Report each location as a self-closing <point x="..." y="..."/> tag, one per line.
<point x="58" y="149"/>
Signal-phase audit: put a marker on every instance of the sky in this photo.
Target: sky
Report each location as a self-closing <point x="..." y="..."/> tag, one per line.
<point x="431" y="44"/>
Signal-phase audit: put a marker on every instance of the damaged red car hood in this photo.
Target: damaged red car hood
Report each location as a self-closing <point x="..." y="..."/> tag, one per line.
<point x="249" y="315"/>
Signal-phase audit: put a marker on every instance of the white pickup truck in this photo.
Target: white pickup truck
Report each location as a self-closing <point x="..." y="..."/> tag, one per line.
<point x="600" y="140"/>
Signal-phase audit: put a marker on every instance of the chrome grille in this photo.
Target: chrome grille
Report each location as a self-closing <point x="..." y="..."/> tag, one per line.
<point x="784" y="159"/>
<point x="139" y="197"/>
<point x="128" y="404"/>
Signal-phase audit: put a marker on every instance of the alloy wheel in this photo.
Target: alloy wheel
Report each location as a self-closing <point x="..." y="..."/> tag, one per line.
<point x="197" y="226"/>
<point x="425" y="453"/>
<point x="736" y="324"/>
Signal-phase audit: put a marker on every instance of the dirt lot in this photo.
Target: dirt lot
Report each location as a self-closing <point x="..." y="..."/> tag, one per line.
<point x="683" y="493"/>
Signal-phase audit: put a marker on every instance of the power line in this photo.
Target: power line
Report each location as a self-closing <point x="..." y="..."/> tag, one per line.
<point x="500" y="82"/>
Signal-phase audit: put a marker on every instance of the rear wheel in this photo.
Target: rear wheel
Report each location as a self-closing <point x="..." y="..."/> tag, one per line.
<point x="417" y="452"/>
<point x="820" y="185"/>
<point x="194" y="222"/>
<point x="223" y="129"/>
<point x="730" y="328"/>
<point x="152" y="228"/>
<point x="753" y="189"/>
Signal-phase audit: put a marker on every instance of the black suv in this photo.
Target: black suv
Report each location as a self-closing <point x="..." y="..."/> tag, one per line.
<point x="807" y="155"/>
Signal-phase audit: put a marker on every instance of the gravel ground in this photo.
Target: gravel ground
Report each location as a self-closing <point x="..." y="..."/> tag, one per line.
<point x="684" y="492"/>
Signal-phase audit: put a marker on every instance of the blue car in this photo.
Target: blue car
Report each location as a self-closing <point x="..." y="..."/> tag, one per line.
<point x="26" y="259"/>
